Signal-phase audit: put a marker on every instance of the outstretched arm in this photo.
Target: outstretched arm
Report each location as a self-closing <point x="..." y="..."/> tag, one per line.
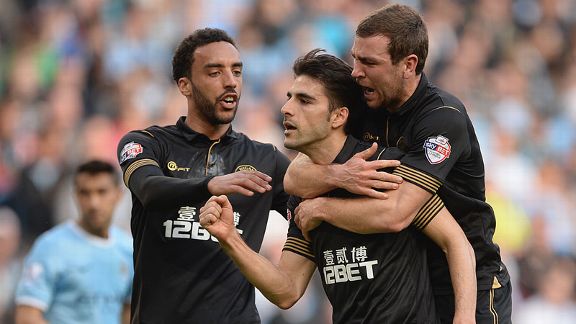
<point x="447" y="234"/>
<point x="308" y="180"/>
<point x="284" y="284"/>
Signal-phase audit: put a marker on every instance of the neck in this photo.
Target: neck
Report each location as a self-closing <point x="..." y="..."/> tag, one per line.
<point x="410" y="86"/>
<point x="325" y="151"/>
<point x="199" y="124"/>
<point x="100" y="232"/>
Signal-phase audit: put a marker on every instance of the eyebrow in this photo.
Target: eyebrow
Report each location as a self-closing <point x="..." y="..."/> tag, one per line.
<point x="220" y="65"/>
<point x="301" y="95"/>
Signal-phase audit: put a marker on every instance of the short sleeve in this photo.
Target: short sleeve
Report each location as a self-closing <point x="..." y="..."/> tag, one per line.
<point x="427" y="212"/>
<point x="135" y="150"/>
<point x="295" y="242"/>
<point x="37" y="284"/>
<point x="439" y="139"/>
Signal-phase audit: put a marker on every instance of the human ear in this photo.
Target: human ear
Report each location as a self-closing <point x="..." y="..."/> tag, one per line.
<point x="340" y="117"/>
<point x="185" y="86"/>
<point x="410" y="63"/>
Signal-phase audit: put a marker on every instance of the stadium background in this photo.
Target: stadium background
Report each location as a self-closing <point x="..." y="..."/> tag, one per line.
<point x="75" y="75"/>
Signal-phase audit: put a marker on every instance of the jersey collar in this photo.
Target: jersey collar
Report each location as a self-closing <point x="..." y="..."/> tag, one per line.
<point x="192" y="135"/>
<point x="347" y="150"/>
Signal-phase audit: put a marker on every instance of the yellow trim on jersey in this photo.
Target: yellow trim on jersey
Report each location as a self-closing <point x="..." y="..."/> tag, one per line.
<point x="418" y="178"/>
<point x="427" y="213"/>
<point x="299" y="246"/>
<point x="496" y="283"/>
<point x="136" y="165"/>
<point x="492" y="308"/>
<point x="147" y="132"/>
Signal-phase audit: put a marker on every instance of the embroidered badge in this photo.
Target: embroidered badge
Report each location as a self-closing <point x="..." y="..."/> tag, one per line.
<point x="245" y="167"/>
<point x="288" y="214"/>
<point x="437" y="149"/>
<point x="130" y="151"/>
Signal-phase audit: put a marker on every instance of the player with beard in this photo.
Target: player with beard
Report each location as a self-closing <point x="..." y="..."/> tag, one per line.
<point x="181" y="274"/>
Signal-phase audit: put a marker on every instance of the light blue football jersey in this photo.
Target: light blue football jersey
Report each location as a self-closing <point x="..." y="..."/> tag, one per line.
<point x="75" y="277"/>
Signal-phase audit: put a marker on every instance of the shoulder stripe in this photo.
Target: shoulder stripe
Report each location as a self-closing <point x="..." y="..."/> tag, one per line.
<point x="418" y="178"/>
<point x="136" y="165"/>
<point x="146" y="132"/>
<point x="449" y="107"/>
<point x="427" y="213"/>
<point x="299" y="246"/>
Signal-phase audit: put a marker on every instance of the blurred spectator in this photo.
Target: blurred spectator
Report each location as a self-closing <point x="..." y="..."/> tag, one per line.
<point x="9" y="262"/>
<point x="554" y="299"/>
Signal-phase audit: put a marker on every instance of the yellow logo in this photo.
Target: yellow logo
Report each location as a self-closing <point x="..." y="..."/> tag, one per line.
<point x="367" y="137"/>
<point x="172" y="166"/>
<point x="245" y="167"/>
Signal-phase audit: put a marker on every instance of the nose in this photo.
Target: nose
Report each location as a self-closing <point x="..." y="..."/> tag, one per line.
<point x="357" y="71"/>
<point x="286" y="110"/>
<point x="94" y="201"/>
<point x="230" y="81"/>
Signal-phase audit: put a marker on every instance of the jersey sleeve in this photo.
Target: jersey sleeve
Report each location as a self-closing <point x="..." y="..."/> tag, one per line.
<point x="139" y="155"/>
<point x="136" y="150"/>
<point x="440" y="139"/>
<point x="295" y="241"/>
<point x="427" y="212"/>
<point x="40" y="272"/>
<point x="433" y="206"/>
<point x="280" y="196"/>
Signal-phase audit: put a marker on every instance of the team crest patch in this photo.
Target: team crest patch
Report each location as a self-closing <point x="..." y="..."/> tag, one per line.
<point x="245" y="167"/>
<point x="130" y="151"/>
<point x="288" y="214"/>
<point x="437" y="149"/>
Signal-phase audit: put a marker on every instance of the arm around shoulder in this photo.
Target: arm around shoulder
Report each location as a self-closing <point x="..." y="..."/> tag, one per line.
<point x="306" y="179"/>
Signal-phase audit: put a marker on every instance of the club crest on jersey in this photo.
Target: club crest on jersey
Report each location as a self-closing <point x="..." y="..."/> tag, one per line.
<point x="245" y="167"/>
<point x="130" y="151"/>
<point x="437" y="149"/>
<point x="288" y="214"/>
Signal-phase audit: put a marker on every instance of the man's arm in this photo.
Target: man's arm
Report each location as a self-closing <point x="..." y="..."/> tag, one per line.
<point x="447" y="234"/>
<point x="154" y="189"/>
<point x="29" y="315"/>
<point x="125" y="314"/>
<point x="284" y="284"/>
<point x="308" y="180"/>
<point x="370" y="215"/>
<point x="139" y="155"/>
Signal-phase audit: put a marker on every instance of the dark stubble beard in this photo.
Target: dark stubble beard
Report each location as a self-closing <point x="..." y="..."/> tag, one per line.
<point x="208" y="109"/>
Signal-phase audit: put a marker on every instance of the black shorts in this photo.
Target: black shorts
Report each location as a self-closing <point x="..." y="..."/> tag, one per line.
<point x="493" y="306"/>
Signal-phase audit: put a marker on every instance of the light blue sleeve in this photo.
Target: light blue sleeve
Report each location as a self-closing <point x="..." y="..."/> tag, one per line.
<point x="127" y="251"/>
<point x="39" y="275"/>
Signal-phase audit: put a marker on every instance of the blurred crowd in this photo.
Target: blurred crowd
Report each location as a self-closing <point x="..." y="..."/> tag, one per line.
<point x="75" y="75"/>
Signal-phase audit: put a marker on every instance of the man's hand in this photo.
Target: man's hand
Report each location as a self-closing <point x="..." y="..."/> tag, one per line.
<point x="242" y="182"/>
<point x="217" y="217"/>
<point x="362" y="177"/>
<point x="308" y="215"/>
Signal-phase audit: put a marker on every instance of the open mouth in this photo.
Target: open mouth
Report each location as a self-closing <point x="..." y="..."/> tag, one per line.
<point x="288" y="126"/>
<point x="229" y="99"/>
<point x="367" y="91"/>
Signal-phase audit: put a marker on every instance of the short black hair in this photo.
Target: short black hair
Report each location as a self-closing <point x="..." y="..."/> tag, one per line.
<point x="94" y="167"/>
<point x="336" y="77"/>
<point x="184" y="55"/>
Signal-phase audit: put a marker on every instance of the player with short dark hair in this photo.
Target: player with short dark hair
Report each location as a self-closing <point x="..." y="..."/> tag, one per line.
<point x="368" y="278"/>
<point x="181" y="273"/>
<point x="81" y="271"/>
<point x="442" y="157"/>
